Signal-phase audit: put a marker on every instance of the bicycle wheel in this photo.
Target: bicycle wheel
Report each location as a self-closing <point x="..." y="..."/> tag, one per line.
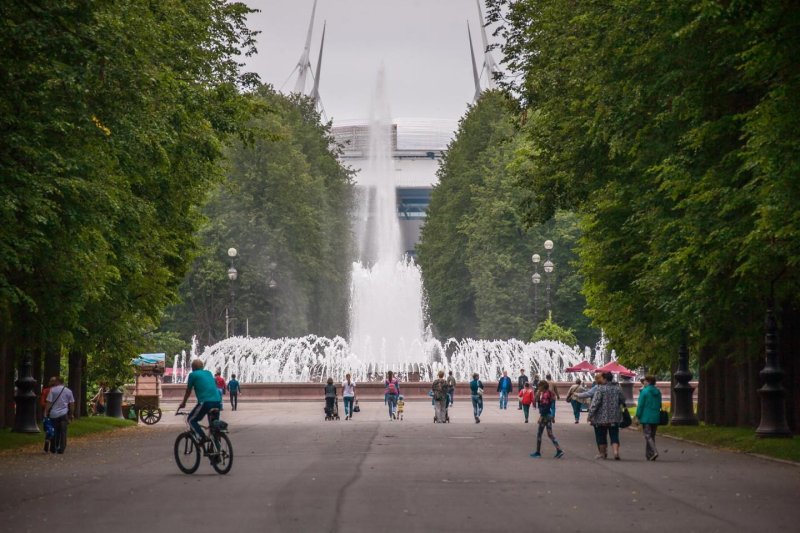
<point x="223" y="462"/>
<point x="187" y="453"/>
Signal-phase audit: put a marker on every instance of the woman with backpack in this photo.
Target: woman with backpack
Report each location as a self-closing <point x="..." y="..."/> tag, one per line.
<point x="648" y="411"/>
<point x="476" y="390"/>
<point x="545" y="401"/>
<point x="391" y="389"/>
<point x="605" y="415"/>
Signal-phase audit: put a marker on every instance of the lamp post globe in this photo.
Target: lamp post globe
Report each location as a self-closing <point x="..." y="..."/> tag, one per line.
<point x="232" y="274"/>
<point x="272" y="284"/>
<point x="536" y="278"/>
<point x="548" y="245"/>
<point x="232" y="252"/>
<point x="548" y="266"/>
<point x="535" y="258"/>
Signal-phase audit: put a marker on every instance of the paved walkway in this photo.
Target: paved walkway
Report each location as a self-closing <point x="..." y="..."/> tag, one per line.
<point x="295" y="472"/>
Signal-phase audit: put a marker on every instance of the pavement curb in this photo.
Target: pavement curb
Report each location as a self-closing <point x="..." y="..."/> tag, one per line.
<point x="706" y="445"/>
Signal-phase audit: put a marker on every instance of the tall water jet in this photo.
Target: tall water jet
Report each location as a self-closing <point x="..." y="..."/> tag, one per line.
<point x="387" y="320"/>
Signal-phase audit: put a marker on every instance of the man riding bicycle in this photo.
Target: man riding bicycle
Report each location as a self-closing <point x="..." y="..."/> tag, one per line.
<point x="208" y="397"/>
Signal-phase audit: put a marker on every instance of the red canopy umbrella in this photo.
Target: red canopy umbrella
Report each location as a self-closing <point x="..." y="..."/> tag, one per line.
<point x="616" y="368"/>
<point x="583" y="366"/>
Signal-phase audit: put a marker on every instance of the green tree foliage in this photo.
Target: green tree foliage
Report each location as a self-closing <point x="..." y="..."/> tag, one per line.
<point x="476" y="249"/>
<point x="113" y="118"/>
<point x="549" y="330"/>
<point x="671" y="127"/>
<point x="285" y="203"/>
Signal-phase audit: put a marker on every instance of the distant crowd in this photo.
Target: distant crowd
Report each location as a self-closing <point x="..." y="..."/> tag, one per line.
<point x="603" y="401"/>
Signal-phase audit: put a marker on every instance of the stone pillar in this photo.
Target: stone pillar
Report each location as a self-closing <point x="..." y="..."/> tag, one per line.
<point x="683" y="393"/>
<point x="626" y="384"/>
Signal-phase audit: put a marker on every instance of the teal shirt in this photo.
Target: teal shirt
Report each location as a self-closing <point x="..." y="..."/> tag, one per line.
<point x="205" y="388"/>
<point x="648" y="408"/>
<point x="233" y="386"/>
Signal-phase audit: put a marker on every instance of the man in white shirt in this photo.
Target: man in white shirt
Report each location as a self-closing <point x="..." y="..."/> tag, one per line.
<point x="60" y="409"/>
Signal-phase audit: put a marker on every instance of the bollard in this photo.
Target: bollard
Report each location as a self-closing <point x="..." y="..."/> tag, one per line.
<point x="114" y="403"/>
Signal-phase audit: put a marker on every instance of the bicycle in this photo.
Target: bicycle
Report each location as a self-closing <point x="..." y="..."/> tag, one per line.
<point x="216" y="446"/>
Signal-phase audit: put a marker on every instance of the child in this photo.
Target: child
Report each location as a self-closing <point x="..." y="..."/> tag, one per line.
<point x="330" y="398"/>
<point x="545" y="401"/>
<point x="526" y="397"/>
<point x="401" y="404"/>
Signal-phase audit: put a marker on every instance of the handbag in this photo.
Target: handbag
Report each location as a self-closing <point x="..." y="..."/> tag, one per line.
<point x="626" y="418"/>
<point x="480" y="392"/>
<point x="356" y="408"/>
<point x="663" y="418"/>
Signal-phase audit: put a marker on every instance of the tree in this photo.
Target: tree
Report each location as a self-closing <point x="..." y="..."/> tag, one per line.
<point x="549" y="330"/>
<point x="667" y="130"/>
<point x="285" y="206"/>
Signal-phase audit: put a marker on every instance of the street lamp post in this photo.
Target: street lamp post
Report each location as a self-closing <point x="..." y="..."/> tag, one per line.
<point x="773" y="406"/>
<point x="230" y="318"/>
<point x="548" y="269"/>
<point x="683" y="410"/>
<point x="536" y="278"/>
<point x="272" y="284"/>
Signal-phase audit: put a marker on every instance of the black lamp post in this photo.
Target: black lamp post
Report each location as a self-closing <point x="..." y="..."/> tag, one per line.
<point x="25" y="400"/>
<point x="773" y="408"/>
<point x="272" y="284"/>
<point x="230" y="327"/>
<point x="683" y="413"/>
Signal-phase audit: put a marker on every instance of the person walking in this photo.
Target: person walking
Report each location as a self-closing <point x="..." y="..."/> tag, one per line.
<point x="330" y="397"/>
<point x="576" y="388"/>
<point x="476" y="393"/>
<point x="451" y="388"/>
<point x="553" y="389"/>
<point x="504" y="388"/>
<point x="233" y="391"/>
<point x="605" y="415"/>
<point x="220" y="382"/>
<point x="440" y="398"/>
<point x="349" y="396"/>
<point x="545" y="401"/>
<point x="648" y="412"/>
<point x="49" y="429"/>
<point x="521" y="381"/>
<point x="526" y="399"/>
<point x="60" y="409"/>
<point x="391" y="390"/>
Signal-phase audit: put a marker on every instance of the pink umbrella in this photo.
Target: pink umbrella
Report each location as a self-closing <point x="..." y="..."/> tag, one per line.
<point x="616" y="368"/>
<point x="583" y="366"/>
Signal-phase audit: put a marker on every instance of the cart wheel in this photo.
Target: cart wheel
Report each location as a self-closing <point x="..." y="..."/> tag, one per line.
<point x="150" y="415"/>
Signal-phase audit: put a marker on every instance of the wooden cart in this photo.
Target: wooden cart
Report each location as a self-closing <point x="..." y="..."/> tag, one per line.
<point x="147" y="390"/>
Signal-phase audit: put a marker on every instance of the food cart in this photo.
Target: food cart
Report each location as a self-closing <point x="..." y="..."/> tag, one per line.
<point x="148" y="367"/>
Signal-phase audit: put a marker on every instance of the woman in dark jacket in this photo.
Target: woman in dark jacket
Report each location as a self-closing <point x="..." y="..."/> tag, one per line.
<point x="605" y="415"/>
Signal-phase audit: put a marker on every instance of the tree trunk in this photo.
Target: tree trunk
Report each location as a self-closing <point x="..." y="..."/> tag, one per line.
<point x="84" y="385"/>
<point x="6" y="384"/>
<point x="52" y="362"/>
<point x="75" y="379"/>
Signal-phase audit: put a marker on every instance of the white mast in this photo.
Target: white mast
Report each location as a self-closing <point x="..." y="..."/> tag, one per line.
<point x="489" y="64"/>
<point x="475" y="76"/>
<point x="315" y="90"/>
<point x="304" y="64"/>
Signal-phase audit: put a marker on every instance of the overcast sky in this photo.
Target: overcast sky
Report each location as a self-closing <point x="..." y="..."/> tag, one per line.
<point x="421" y="43"/>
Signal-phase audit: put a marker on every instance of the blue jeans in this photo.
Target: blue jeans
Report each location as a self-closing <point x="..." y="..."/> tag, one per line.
<point x="503" y="399"/>
<point x="601" y="431"/>
<point x="477" y="404"/>
<point x="200" y="410"/>
<point x="391" y="399"/>
<point x="348" y="405"/>
<point x="450" y="398"/>
<point x="576" y="409"/>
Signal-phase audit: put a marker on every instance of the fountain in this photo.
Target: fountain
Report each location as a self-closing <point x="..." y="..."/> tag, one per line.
<point x="387" y="312"/>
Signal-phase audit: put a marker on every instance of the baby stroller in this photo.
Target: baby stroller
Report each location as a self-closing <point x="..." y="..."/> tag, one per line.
<point x="333" y="413"/>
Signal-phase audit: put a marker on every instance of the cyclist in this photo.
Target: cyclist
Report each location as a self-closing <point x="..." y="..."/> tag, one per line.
<point x="208" y="396"/>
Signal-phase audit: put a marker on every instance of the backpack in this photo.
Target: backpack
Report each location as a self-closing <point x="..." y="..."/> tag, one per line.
<point x="546" y="398"/>
<point x="391" y="387"/>
<point x="439" y="389"/>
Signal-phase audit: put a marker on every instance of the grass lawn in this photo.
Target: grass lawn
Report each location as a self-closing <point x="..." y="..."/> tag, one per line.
<point x="84" y="426"/>
<point x="737" y="438"/>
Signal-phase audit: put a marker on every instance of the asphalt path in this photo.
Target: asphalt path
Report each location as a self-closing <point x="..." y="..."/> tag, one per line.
<point x="293" y="471"/>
